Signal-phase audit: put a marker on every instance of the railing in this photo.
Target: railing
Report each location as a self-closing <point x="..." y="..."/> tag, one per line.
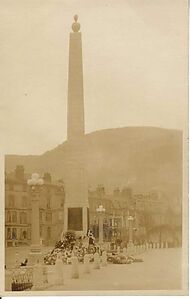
<point x="22" y="279"/>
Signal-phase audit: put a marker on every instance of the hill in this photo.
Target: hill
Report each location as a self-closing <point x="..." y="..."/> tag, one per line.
<point x="145" y="158"/>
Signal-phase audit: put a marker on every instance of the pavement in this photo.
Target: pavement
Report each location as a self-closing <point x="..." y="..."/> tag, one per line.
<point x="160" y="270"/>
<point x="11" y="253"/>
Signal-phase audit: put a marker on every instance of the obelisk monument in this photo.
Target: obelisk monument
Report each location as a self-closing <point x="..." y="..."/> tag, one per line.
<point x="76" y="207"/>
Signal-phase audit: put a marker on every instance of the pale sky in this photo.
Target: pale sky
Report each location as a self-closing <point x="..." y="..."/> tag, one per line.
<point x="135" y="67"/>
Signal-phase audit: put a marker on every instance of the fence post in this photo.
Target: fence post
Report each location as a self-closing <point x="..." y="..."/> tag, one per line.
<point x="96" y="261"/>
<point x="86" y="263"/>
<point x="8" y="280"/>
<point x="125" y="251"/>
<point x="59" y="271"/>
<point x="74" y="267"/>
<point x="104" y="258"/>
<point x="16" y="260"/>
<point x="38" y="281"/>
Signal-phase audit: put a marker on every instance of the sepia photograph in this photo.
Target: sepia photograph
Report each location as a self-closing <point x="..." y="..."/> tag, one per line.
<point x="94" y="130"/>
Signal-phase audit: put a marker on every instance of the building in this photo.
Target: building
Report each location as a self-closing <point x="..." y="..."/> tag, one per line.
<point x="154" y="219"/>
<point x="18" y="209"/>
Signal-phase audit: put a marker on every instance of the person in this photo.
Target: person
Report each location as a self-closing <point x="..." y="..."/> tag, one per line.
<point x="91" y="237"/>
<point x="24" y="263"/>
<point x="85" y="242"/>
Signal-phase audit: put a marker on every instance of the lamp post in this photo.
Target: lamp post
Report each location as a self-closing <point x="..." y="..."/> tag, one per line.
<point x="101" y="210"/>
<point x="35" y="184"/>
<point x="130" y="220"/>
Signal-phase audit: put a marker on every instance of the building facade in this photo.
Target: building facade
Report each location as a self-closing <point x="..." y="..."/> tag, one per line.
<point x="153" y="218"/>
<point x="18" y="209"/>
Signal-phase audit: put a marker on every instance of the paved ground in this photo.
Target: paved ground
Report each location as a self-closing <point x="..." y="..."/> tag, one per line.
<point x="161" y="270"/>
<point x="21" y="252"/>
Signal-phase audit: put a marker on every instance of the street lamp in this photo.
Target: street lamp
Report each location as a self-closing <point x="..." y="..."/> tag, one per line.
<point x="130" y="220"/>
<point x="35" y="184"/>
<point x="101" y="210"/>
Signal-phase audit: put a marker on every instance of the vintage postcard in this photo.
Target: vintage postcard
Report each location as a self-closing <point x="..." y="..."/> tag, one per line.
<point x="94" y="131"/>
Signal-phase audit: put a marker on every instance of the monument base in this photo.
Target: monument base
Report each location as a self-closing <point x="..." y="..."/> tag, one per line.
<point x="35" y="255"/>
<point x="76" y="219"/>
<point x="130" y="249"/>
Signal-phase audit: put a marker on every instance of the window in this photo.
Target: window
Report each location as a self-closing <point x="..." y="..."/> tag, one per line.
<point x="62" y="202"/>
<point x="8" y="233"/>
<point x="24" y="201"/>
<point x="49" y="216"/>
<point x="14" y="217"/>
<point x="28" y="234"/>
<point x="41" y="215"/>
<point x="23" y="218"/>
<point x="40" y="231"/>
<point x="11" y="201"/>
<point x="60" y="216"/>
<point x="23" y="234"/>
<point x="116" y="222"/>
<point x="48" y="202"/>
<point x="49" y="233"/>
<point x="8" y="216"/>
<point x="14" y="233"/>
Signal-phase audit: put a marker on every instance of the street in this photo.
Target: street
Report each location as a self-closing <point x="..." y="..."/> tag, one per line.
<point x="161" y="270"/>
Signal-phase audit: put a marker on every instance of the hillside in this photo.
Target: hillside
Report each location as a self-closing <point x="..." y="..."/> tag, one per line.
<point x="143" y="157"/>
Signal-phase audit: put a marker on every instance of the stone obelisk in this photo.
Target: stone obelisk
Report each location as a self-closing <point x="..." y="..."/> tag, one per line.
<point x="76" y="207"/>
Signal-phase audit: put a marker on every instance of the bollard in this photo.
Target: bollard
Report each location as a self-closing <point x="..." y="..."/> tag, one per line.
<point x="86" y="263"/>
<point x="45" y="274"/>
<point x="104" y="258"/>
<point x="128" y="250"/>
<point x="158" y="245"/>
<point x="166" y="244"/>
<point x="162" y="245"/>
<point x="50" y="274"/>
<point x="147" y="246"/>
<point x="59" y="271"/>
<point x="154" y="245"/>
<point x="125" y="251"/>
<point x="37" y="277"/>
<point x="96" y="261"/>
<point x="74" y="267"/>
<point x="16" y="260"/>
<point x="8" y="280"/>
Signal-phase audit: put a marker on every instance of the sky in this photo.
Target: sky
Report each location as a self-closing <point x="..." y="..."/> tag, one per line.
<point x="134" y="63"/>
